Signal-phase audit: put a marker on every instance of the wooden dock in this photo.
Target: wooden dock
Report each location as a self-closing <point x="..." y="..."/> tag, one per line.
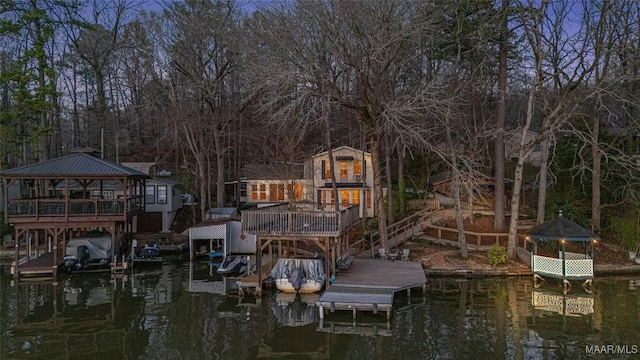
<point x="42" y="265"/>
<point x="370" y="286"/>
<point x="251" y="283"/>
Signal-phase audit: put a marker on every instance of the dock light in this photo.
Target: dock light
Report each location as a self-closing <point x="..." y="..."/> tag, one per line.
<point x="594" y="241"/>
<point x="562" y="241"/>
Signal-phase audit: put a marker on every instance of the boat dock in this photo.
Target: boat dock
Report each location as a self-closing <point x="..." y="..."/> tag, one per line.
<point x="251" y="283"/>
<point x="370" y="285"/>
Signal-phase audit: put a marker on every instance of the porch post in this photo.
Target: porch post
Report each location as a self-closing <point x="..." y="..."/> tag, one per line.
<point x="564" y="260"/>
<point x="55" y="256"/>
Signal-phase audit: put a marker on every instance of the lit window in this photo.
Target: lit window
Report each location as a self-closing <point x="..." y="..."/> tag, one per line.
<point x="343" y="169"/>
<point x="357" y="167"/>
<point x="344" y="195"/>
<point x="356" y="196"/>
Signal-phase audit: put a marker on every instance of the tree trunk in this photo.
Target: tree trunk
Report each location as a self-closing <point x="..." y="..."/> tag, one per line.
<point x="462" y="238"/>
<point x="515" y="207"/>
<point x="374" y="144"/>
<point x="202" y="174"/>
<point x="544" y="165"/>
<point x="387" y="158"/>
<point x="499" y="197"/>
<point x="402" y="201"/>
<point x="596" y="207"/>
<point x="332" y="169"/>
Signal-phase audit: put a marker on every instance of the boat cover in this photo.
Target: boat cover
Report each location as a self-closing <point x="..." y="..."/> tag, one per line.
<point x="99" y="247"/>
<point x="310" y="268"/>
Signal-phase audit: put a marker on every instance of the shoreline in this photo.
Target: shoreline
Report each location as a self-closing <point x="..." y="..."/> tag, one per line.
<point x="603" y="269"/>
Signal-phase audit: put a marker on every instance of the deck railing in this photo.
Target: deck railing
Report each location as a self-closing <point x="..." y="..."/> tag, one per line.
<point x="552" y="267"/>
<point x="301" y="220"/>
<point x="72" y="207"/>
<point x="421" y="204"/>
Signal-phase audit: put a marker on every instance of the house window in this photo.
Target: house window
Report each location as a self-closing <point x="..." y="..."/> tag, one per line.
<point x="276" y="192"/>
<point x="298" y="191"/>
<point x="254" y="192"/>
<point x="328" y="170"/>
<point x="344" y="197"/>
<point x="106" y="194"/>
<point x="356" y="196"/>
<point x="368" y="198"/>
<point x="162" y="194"/>
<point x="150" y="194"/>
<point x="343" y="169"/>
<point x="357" y="167"/>
<point x="263" y="192"/>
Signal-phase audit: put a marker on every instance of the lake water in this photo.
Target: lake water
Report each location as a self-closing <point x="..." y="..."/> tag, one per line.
<point x="174" y="311"/>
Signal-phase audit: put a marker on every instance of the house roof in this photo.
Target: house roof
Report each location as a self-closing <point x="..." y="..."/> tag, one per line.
<point x="211" y="222"/>
<point x="166" y="181"/>
<point x="73" y="165"/>
<point x="561" y="228"/>
<point x="223" y="211"/>
<point x="143" y="167"/>
<point x="336" y="151"/>
<point x="275" y="171"/>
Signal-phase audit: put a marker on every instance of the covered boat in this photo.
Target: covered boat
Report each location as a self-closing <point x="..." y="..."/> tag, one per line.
<point x="80" y="253"/>
<point x="299" y="275"/>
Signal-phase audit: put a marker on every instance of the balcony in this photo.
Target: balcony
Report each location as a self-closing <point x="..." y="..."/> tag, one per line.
<point x="66" y="210"/>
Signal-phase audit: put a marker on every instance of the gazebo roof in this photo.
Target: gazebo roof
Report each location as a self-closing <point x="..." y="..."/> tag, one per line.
<point x="73" y="165"/>
<point x="561" y="228"/>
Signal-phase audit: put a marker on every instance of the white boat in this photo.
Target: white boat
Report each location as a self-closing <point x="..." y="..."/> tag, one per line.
<point x="299" y="275"/>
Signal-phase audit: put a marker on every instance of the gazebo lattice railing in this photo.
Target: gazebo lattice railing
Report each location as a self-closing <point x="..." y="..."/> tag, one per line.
<point x="562" y="304"/>
<point x="571" y="269"/>
<point x="568" y="265"/>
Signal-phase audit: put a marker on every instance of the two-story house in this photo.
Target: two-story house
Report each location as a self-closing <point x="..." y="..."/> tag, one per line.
<point x="269" y="184"/>
<point x="353" y="176"/>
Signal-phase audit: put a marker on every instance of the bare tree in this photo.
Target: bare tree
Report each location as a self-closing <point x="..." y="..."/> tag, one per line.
<point x="499" y="196"/>
<point x="202" y="41"/>
<point x="350" y="53"/>
<point x="559" y="65"/>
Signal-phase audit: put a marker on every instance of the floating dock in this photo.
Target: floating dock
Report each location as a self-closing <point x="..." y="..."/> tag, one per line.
<point x="370" y="285"/>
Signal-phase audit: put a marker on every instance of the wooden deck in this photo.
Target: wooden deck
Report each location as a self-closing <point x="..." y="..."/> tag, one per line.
<point x="250" y="283"/>
<point x="370" y="286"/>
<point x="42" y="265"/>
<point x="299" y="220"/>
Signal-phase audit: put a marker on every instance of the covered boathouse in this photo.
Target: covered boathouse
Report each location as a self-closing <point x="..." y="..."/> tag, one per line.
<point x="368" y="285"/>
<point x="66" y="197"/>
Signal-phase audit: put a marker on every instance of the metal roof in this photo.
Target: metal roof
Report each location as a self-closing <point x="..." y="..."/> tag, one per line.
<point x="561" y="228"/>
<point x="73" y="165"/>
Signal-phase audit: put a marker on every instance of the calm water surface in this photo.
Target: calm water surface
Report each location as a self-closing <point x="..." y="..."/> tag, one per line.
<point x="174" y="311"/>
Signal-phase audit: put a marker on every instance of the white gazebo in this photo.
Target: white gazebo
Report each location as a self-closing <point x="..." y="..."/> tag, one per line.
<point x="568" y="265"/>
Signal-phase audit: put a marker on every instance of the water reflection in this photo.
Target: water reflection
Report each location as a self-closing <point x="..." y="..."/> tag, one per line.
<point x="295" y="309"/>
<point x="159" y="312"/>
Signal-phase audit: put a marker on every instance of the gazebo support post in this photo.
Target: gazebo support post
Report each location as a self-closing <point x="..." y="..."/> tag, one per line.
<point x="564" y="261"/>
<point x="537" y="278"/>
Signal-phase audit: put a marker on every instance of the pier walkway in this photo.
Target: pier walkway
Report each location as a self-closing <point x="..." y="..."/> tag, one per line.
<point x="370" y="285"/>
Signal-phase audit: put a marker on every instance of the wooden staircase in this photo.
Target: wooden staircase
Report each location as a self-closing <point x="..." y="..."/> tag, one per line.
<point x="399" y="232"/>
